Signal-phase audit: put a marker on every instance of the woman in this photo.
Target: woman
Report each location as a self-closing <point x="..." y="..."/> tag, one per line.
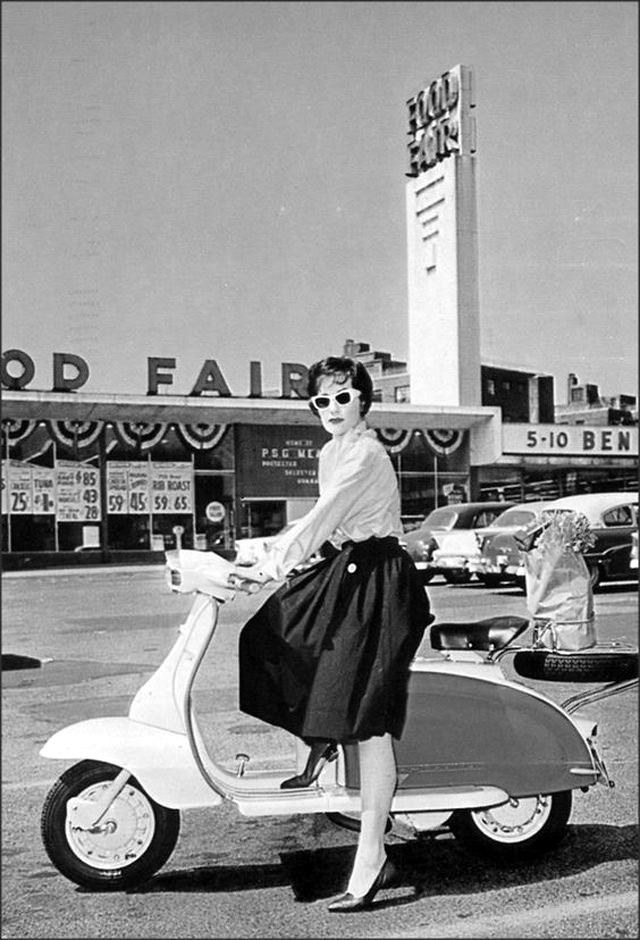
<point x="327" y="656"/>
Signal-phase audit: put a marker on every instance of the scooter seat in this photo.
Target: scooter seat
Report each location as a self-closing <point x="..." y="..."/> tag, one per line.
<point x="490" y="634"/>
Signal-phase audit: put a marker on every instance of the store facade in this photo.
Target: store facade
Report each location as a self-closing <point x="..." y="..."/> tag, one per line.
<point x="548" y="461"/>
<point x="122" y="477"/>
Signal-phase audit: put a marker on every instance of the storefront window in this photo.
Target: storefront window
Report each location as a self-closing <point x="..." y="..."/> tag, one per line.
<point x="262" y="517"/>
<point x="214" y="511"/>
<point x="526" y="484"/>
<point x="219" y="457"/>
<point x="422" y="492"/>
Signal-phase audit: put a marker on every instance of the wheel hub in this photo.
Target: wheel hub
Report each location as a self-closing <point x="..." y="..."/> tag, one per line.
<point x="107" y="827"/>
<point x="121" y="838"/>
<point x="515" y="820"/>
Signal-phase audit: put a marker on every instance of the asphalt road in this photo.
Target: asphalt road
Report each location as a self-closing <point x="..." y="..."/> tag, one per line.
<point x="102" y="632"/>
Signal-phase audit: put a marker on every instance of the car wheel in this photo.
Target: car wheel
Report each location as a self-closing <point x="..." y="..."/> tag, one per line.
<point x="595" y="575"/>
<point x="491" y="580"/>
<point x="457" y="577"/>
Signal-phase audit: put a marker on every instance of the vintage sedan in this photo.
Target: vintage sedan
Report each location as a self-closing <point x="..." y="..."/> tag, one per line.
<point x="613" y="519"/>
<point x="469" y="550"/>
<point x="422" y="541"/>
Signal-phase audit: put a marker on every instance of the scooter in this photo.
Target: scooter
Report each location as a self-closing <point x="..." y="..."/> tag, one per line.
<point x="489" y="758"/>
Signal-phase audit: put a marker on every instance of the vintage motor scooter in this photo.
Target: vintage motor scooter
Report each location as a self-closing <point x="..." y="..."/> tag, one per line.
<point x="489" y="757"/>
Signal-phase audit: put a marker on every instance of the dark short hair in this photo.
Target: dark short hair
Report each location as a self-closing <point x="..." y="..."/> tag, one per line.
<point x="344" y="368"/>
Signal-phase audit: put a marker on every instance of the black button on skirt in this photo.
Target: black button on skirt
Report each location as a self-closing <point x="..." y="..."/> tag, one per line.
<point x="328" y="654"/>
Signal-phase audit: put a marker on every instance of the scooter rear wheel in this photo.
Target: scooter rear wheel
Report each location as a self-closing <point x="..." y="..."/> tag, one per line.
<point x="132" y="841"/>
<point x="516" y="831"/>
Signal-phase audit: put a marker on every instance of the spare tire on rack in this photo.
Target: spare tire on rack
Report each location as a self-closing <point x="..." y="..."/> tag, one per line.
<point x="579" y="666"/>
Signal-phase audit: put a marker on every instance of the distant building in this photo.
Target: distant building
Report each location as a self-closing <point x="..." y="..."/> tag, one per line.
<point x="390" y="376"/>
<point x="585" y="405"/>
<point x="522" y="395"/>
<point x="539" y="460"/>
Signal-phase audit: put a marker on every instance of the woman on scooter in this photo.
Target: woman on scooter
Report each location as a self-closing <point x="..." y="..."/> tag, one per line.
<point x="327" y="655"/>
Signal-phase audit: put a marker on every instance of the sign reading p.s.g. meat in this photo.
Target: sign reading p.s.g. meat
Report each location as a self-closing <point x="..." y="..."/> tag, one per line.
<point x="277" y="461"/>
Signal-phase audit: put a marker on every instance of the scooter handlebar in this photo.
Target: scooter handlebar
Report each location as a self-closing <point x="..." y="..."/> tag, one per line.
<point x="189" y="571"/>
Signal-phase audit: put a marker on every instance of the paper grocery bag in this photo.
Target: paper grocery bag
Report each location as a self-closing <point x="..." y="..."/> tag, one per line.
<point x="560" y="598"/>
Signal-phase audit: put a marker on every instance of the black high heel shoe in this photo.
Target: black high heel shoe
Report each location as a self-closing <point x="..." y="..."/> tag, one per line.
<point x="387" y="877"/>
<point x="321" y="753"/>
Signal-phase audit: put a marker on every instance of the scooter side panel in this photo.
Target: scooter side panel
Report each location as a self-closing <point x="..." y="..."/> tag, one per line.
<point x="461" y="730"/>
<point x="160" y="760"/>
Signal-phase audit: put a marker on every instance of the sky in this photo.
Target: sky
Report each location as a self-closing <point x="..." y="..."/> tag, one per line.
<point x="227" y="181"/>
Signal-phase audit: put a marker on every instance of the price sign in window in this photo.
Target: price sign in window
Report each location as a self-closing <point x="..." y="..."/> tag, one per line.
<point x="44" y="490"/>
<point x="20" y="488"/>
<point x="138" y="488"/>
<point x="78" y="488"/>
<point x="172" y="488"/>
<point x="117" y="488"/>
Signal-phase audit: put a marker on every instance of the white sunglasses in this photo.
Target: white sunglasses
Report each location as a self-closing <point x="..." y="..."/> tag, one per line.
<point x="345" y="397"/>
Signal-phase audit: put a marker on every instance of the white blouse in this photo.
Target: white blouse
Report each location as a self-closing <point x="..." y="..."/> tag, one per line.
<point x="359" y="498"/>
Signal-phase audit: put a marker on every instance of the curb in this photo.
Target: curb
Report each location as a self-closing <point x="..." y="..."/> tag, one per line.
<point x="85" y="569"/>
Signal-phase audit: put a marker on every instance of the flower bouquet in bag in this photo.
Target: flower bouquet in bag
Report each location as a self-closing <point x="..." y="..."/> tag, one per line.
<point x="559" y="592"/>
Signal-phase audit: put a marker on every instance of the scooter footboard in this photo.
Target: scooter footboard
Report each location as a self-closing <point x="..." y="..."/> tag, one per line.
<point x="160" y="760"/>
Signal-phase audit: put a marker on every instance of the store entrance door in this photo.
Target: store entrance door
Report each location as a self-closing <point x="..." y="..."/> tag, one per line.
<point x="262" y="517"/>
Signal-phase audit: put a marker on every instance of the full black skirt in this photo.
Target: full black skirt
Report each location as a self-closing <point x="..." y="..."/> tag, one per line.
<point x="328" y="654"/>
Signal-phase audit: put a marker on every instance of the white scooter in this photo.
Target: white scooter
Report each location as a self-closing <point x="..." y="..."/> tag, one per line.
<point x="494" y="760"/>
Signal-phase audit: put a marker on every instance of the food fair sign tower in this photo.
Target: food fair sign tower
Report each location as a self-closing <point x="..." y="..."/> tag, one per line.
<point x="442" y="243"/>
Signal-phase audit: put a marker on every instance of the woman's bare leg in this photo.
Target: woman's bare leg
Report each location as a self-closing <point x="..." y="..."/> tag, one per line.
<point x="378" y="778"/>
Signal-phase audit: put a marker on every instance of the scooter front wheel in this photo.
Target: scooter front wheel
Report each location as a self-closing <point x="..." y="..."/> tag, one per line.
<point x="132" y="841"/>
<point x="515" y="832"/>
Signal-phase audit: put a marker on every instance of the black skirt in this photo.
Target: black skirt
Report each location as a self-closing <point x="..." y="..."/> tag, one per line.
<point x="328" y="654"/>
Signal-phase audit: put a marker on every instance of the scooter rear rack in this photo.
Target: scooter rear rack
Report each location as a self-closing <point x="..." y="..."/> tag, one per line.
<point x="612" y="664"/>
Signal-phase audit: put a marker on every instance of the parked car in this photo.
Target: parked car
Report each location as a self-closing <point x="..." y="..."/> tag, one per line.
<point x="633" y="561"/>
<point x="468" y="549"/>
<point x="613" y="520"/>
<point x="422" y="541"/>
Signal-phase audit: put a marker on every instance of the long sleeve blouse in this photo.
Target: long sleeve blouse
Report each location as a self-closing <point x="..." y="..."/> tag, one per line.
<point x="358" y="499"/>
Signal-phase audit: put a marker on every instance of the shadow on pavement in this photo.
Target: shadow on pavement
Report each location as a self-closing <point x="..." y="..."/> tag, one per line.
<point x="428" y="866"/>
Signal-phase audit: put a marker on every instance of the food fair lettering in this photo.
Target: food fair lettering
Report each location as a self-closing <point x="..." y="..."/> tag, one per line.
<point x="71" y="372"/>
<point x="434" y="123"/>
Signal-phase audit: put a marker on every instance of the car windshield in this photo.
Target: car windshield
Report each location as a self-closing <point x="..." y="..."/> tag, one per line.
<point x="514" y="517"/>
<point x="439" y="518"/>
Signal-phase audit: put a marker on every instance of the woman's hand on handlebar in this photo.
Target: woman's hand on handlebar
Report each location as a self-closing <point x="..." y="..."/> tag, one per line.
<point x="247" y="578"/>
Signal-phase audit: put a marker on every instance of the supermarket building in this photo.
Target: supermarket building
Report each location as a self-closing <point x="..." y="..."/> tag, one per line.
<point x="89" y="474"/>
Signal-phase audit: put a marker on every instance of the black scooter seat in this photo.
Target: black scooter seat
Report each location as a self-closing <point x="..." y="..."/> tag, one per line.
<point x="491" y="634"/>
